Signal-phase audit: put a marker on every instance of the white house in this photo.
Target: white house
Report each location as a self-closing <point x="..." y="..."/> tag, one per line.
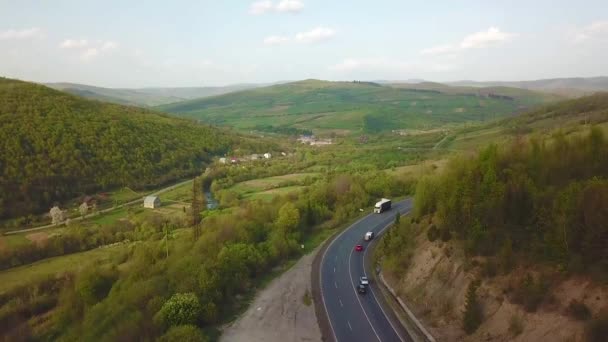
<point x="151" y="202"/>
<point x="267" y="155"/>
<point x="223" y="160"/>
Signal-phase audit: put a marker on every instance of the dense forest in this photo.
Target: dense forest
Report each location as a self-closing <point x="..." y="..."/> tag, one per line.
<point x="547" y="199"/>
<point x="54" y="146"/>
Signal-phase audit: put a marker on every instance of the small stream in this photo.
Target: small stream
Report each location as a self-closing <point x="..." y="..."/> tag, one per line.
<point x="210" y="200"/>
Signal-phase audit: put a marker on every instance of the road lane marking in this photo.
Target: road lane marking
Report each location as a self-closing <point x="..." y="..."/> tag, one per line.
<point x="334" y="270"/>
<point x="351" y="328"/>
<point x="331" y="325"/>
<point x="372" y="290"/>
<point x="341" y="302"/>
<point x="336" y="284"/>
<point x="350" y="274"/>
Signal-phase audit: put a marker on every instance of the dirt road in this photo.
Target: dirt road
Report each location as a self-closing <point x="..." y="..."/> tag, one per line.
<point x="279" y="312"/>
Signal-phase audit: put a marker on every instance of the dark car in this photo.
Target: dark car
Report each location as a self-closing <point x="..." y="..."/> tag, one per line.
<point x="361" y="289"/>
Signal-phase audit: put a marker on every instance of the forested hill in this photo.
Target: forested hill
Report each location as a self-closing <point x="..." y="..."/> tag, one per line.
<point x="545" y="196"/>
<point x="354" y="106"/>
<point x="54" y="145"/>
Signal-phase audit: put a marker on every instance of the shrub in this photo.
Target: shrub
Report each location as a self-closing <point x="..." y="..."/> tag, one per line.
<point x="516" y="325"/>
<point x="579" y="310"/>
<point x="531" y="292"/>
<point x="184" y="333"/>
<point x="489" y="268"/>
<point x="433" y="233"/>
<point x="180" y="309"/>
<point x="445" y="234"/>
<point x="473" y="315"/>
<point x="597" y="328"/>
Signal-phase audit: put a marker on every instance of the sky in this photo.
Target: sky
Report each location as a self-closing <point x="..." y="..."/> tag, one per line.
<point x="117" y="43"/>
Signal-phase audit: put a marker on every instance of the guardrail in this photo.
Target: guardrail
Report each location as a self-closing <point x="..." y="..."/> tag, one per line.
<point x="407" y="310"/>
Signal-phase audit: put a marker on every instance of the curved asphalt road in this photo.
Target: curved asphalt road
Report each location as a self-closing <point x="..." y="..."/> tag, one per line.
<point x="354" y="316"/>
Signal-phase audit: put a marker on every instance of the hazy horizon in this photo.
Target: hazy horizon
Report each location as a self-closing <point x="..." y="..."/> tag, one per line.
<point x="204" y="43"/>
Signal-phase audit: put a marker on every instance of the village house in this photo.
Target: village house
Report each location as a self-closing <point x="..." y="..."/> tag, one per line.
<point x="151" y="202"/>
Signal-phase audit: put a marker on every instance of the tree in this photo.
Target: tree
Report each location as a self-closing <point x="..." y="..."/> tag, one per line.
<point x="397" y="219"/>
<point x="197" y="201"/>
<point x="472" y="310"/>
<point x="83" y="209"/>
<point x="180" y="309"/>
<point x="57" y="215"/>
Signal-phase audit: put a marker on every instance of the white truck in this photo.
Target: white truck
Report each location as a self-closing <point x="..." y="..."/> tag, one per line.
<point x="382" y="206"/>
<point x="369" y="236"/>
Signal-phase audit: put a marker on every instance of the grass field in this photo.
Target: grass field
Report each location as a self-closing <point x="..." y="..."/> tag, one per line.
<point x="17" y="276"/>
<point x="266" y="188"/>
<point x="324" y="106"/>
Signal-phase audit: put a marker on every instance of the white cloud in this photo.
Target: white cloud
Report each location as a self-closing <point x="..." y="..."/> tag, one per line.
<point x="595" y="30"/>
<point x="284" y="6"/>
<point x="12" y="34"/>
<point x="485" y="38"/>
<point x="89" y="53"/>
<point x="275" y="40"/>
<point x="88" y="50"/>
<point x="109" y="45"/>
<point x="74" y="43"/>
<point x="261" y="7"/>
<point x="290" y="6"/>
<point x="316" y="35"/>
<point x="492" y="35"/>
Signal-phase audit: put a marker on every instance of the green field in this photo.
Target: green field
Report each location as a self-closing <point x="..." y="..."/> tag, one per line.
<point x="22" y="275"/>
<point x="342" y="107"/>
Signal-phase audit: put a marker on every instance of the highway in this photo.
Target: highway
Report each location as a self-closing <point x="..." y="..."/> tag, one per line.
<point x="354" y="316"/>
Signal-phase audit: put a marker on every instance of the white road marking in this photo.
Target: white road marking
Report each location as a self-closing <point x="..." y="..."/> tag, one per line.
<point x="351" y="328"/>
<point x="334" y="270"/>
<point x="372" y="290"/>
<point x="341" y="302"/>
<point x="331" y="325"/>
<point x="350" y="274"/>
<point x="336" y="284"/>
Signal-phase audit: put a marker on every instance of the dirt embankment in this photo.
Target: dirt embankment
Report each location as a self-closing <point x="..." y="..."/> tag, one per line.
<point x="282" y="312"/>
<point x="436" y="282"/>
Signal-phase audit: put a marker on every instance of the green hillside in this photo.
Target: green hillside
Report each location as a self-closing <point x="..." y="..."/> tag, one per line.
<point x="569" y="116"/>
<point x="146" y="97"/>
<point x="324" y="106"/>
<point x="54" y="145"/>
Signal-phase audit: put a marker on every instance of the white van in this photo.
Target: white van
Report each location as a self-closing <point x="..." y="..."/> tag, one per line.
<point x="369" y="236"/>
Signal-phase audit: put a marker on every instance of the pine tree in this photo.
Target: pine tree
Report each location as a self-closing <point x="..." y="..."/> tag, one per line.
<point x="472" y="310"/>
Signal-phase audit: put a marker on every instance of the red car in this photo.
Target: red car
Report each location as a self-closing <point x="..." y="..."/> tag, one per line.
<point x="358" y="248"/>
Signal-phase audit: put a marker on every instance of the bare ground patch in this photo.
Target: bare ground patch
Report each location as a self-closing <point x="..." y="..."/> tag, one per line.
<point x="280" y="312"/>
<point x="38" y="238"/>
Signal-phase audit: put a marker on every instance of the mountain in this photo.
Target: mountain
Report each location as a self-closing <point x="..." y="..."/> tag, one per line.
<point x="575" y="86"/>
<point x="146" y="97"/>
<point x="54" y="145"/>
<point x="324" y="106"/>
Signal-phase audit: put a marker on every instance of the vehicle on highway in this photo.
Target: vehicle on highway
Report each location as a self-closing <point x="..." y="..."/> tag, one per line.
<point x="358" y="248"/>
<point x="369" y="236"/>
<point x="382" y="206"/>
<point x="361" y="289"/>
<point x="363" y="281"/>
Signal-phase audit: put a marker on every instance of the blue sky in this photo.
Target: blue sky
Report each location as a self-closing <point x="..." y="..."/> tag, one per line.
<point x="196" y="42"/>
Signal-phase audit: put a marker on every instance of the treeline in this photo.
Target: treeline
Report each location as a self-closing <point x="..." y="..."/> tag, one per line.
<point x="546" y="199"/>
<point x="55" y="146"/>
<point x="200" y="280"/>
<point x="76" y="238"/>
<point x="283" y="130"/>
